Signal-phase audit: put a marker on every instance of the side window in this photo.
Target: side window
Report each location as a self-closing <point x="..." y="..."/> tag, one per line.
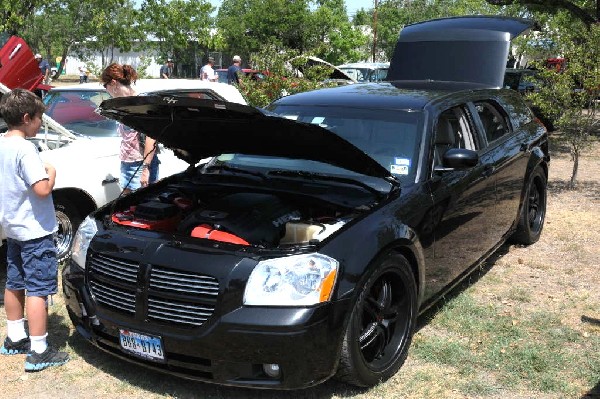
<point x="453" y="129"/>
<point x="493" y="119"/>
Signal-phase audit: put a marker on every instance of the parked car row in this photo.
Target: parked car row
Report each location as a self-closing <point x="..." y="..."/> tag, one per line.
<point x="321" y="227"/>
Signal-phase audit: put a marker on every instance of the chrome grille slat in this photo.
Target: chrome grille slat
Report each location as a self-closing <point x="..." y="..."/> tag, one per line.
<point x="113" y="297"/>
<point x="171" y="280"/>
<point x="109" y="266"/>
<point x="179" y="313"/>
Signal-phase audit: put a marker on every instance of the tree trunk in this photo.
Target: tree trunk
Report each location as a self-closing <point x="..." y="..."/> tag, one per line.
<point x="63" y="60"/>
<point x="573" y="182"/>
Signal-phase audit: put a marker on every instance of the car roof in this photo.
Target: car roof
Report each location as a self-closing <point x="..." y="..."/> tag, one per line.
<point x="143" y="86"/>
<point x="385" y="95"/>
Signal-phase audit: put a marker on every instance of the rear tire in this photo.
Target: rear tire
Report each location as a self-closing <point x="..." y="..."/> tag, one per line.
<point x="533" y="213"/>
<point x="69" y="219"/>
<point x="381" y="325"/>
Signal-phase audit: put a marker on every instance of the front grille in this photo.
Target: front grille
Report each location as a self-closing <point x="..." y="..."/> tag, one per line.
<point x="113" y="297"/>
<point x="173" y="297"/>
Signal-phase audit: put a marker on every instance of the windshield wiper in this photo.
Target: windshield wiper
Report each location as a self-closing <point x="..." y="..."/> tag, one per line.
<point x="232" y="169"/>
<point x="320" y="176"/>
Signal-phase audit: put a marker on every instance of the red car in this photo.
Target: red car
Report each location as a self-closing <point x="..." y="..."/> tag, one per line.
<point x="18" y="67"/>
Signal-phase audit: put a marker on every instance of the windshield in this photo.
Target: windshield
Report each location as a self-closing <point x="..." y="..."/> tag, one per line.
<point x="391" y="137"/>
<point x="75" y="110"/>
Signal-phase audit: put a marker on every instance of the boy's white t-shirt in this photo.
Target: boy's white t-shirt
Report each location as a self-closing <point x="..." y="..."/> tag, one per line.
<point x="24" y="215"/>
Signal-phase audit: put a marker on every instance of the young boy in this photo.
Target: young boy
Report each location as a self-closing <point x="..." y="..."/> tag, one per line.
<point x="27" y="217"/>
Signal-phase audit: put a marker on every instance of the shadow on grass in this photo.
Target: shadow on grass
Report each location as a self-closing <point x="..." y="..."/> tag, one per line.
<point x="589" y="189"/>
<point x="468" y="281"/>
<point x="594" y="393"/>
<point x="167" y="385"/>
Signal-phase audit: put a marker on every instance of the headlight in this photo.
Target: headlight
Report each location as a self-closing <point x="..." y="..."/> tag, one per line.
<point x="298" y="280"/>
<point x="86" y="231"/>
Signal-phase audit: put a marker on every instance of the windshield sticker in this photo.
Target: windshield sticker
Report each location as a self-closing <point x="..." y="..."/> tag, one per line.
<point x="318" y="120"/>
<point x="399" y="169"/>
<point x="401" y="161"/>
<point x="291" y="117"/>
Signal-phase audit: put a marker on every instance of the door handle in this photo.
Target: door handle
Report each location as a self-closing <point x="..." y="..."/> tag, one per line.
<point x="488" y="170"/>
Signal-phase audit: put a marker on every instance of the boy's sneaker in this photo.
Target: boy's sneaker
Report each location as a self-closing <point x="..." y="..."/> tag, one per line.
<point x="15" y="348"/>
<point x="40" y="361"/>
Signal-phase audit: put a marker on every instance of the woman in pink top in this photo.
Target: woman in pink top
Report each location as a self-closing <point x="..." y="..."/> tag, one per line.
<point x="139" y="163"/>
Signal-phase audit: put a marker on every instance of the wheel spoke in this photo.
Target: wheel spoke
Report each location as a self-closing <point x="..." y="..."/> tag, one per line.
<point x="369" y="335"/>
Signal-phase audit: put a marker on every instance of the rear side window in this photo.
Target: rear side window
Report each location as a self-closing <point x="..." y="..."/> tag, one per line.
<point x="494" y="120"/>
<point x="518" y="109"/>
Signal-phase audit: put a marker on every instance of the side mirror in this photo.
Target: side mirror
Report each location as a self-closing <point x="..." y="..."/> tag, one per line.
<point x="459" y="158"/>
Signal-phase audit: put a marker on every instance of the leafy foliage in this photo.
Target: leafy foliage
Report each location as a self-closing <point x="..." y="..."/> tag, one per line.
<point x="569" y="94"/>
<point x="281" y="77"/>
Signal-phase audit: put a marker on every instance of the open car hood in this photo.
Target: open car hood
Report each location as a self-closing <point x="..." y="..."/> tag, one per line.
<point x="203" y="128"/>
<point x="460" y="49"/>
<point x="336" y="73"/>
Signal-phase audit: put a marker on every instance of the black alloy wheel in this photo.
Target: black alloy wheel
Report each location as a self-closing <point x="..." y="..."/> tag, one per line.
<point x="382" y="324"/>
<point x="533" y="214"/>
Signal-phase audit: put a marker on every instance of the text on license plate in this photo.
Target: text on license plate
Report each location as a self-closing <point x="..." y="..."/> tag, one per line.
<point x="142" y="345"/>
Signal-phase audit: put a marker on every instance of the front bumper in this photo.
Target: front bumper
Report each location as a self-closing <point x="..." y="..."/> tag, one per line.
<point x="228" y="349"/>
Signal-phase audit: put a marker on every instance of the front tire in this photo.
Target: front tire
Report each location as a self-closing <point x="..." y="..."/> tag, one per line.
<point x="533" y="214"/>
<point x="381" y="325"/>
<point x="69" y="219"/>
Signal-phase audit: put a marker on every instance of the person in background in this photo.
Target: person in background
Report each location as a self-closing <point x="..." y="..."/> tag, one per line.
<point x="166" y="71"/>
<point x="83" y="73"/>
<point x="44" y="68"/>
<point x="207" y="72"/>
<point x="27" y="217"/>
<point x="233" y="71"/>
<point x="139" y="163"/>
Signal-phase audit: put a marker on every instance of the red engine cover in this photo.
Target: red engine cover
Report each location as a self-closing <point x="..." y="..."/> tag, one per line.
<point x="206" y="231"/>
<point x="126" y="218"/>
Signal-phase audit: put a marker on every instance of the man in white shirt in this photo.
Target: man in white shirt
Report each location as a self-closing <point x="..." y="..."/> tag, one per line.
<point x="207" y="72"/>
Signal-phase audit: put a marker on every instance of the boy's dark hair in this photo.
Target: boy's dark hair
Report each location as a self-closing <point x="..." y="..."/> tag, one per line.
<point x="15" y="104"/>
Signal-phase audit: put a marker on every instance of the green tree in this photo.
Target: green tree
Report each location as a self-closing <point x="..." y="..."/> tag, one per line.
<point x="333" y="38"/>
<point x="569" y="95"/>
<point x="178" y="26"/>
<point x="281" y="76"/>
<point x="248" y="26"/>
<point x="15" y="15"/>
<point x="584" y="10"/>
<point x="58" y="26"/>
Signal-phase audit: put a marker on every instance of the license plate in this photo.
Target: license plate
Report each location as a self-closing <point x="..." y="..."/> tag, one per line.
<point x="142" y="345"/>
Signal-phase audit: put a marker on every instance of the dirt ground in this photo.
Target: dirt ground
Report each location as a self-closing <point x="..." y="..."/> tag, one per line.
<point x="559" y="274"/>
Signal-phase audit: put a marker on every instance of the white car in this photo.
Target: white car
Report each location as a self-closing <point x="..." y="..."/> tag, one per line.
<point x="83" y="146"/>
<point x="366" y="71"/>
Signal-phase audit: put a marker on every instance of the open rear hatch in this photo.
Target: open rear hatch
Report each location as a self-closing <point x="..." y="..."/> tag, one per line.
<point x="461" y="49"/>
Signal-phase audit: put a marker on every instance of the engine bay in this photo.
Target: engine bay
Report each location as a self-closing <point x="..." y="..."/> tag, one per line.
<point x="241" y="215"/>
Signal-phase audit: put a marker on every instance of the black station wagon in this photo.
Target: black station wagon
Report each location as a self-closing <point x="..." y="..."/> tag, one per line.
<point x="320" y="228"/>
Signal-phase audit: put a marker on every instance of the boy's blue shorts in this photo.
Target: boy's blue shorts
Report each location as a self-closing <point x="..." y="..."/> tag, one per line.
<point x="32" y="266"/>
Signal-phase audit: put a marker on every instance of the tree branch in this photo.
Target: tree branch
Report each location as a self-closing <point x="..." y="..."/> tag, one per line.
<point x="553" y="6"/>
